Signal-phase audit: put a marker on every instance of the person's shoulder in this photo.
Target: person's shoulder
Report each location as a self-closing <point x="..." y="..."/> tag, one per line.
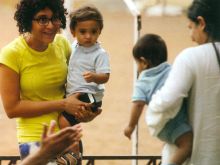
<point x="186" y="53"/>
<point x="191" y="55"/>
<point x="14" y="46"/>
<point x="61" y="42"/>
<point x="193" y="49"/>
<point x="188" y="50"/>
<point x="101" y="50"/>
<point x="60" y="38"/>
<point x="12" y="53"/>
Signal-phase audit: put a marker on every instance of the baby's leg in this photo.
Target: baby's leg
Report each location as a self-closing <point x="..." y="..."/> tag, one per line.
<point x="63" y="122"/>
<point x="74" y="156"/>
<point x="184" y="149"/>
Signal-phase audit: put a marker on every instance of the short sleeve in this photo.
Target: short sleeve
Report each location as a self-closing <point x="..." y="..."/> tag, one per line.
<point x="102" y="63"/>
<point x="139" y="92"/>
<point x="66" y="46"/>
<point x="9" y="57"/>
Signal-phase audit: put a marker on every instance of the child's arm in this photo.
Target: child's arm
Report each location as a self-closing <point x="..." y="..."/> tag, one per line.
<point x="136" y="110"/>
<point x="98" y="78"/>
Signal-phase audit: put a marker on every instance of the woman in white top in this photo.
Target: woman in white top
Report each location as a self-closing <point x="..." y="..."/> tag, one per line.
<point x="195" y="74"/>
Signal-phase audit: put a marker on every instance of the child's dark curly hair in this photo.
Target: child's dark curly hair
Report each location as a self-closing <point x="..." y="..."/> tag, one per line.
<point x="86" y="13"/>
<point x="27" y="9"/>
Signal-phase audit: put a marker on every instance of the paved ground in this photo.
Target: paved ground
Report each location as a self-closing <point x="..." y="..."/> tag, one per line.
<point x="104" y="135"/>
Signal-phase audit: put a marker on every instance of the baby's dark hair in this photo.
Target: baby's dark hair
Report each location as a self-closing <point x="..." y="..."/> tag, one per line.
<point x="86" y="13"/>
<point x="152" y="47"/>
<point x="27" y="9"/>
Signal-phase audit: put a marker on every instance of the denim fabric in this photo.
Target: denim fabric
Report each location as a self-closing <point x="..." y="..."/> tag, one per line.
<point x="28" y="148"/>
<point x="176" y="127"/>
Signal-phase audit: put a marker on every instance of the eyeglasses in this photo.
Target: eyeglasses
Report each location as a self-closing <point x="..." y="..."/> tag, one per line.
<point x="44" y="21"/>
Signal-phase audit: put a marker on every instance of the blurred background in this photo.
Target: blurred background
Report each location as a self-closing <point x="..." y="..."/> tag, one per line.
<point x="104" y="135"/>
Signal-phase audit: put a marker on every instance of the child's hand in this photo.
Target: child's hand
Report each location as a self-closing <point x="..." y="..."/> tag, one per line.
<point x="128" y="131"/>
<point x="87" y="115"/>
<point x="89" y="76"/>
<point x="73" y="105"/>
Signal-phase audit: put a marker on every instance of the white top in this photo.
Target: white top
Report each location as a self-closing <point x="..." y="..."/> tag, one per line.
<point x="196" y="74"/>
<point x="82" y="59"/>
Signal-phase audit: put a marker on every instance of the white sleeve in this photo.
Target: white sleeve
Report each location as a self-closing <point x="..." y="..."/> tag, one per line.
<point x="167" y="101"/>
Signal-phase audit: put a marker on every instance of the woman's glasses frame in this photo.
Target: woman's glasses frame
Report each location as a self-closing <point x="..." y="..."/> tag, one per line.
<point x="44" y="21"/>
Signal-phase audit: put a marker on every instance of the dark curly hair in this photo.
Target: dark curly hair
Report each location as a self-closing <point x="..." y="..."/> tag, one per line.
<point x="27" y="9"/>
<point x="86" y="13"/>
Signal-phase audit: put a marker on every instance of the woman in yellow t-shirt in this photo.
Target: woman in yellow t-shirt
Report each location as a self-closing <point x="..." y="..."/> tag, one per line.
<point x="33" y="71"/>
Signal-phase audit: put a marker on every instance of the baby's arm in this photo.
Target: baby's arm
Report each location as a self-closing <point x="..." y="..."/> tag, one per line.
<point x="98" y="78"/>
<point x="136" y="110"/>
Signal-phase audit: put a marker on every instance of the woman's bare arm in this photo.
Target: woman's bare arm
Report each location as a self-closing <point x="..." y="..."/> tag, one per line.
<point x="15" y="107"/>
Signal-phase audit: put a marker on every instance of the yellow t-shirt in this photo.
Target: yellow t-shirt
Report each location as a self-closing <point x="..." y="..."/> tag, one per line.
<point x="42" y="77"/>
